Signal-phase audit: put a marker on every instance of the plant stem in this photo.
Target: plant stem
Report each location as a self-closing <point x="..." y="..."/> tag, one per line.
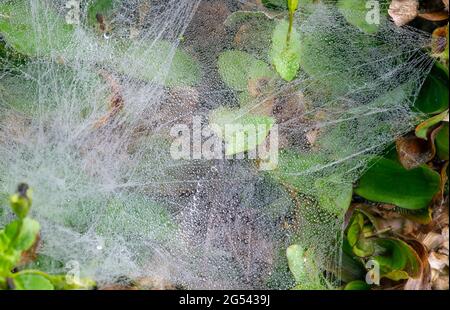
<point x="291" y="24"/>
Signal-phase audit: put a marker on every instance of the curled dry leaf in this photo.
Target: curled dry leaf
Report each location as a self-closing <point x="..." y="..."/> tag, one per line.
<point x="413" y="151"/>
<point x="116" y="102"/>
<point x="438" y="261"/>
<point x="403" y="11"/>
<point x="432" y="240"/>
<point x="435" y="16"/>
<point x="444" y="180"/>
<point x="422" y="282"/>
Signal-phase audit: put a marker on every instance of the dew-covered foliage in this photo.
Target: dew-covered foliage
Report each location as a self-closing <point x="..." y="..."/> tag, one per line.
<point x="88" y="99"/>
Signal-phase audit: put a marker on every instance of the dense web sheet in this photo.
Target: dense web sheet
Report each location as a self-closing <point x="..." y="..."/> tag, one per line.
<point x="86" y="124"/>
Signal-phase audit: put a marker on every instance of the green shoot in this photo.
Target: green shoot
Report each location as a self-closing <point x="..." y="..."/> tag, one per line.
<point x="292" y="6"/>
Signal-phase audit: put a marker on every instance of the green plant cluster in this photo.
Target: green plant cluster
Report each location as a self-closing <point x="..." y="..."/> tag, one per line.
<point x="19" y="237"/>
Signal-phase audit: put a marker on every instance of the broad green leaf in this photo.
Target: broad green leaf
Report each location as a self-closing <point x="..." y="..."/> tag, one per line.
<point x="422" y="216"/>
<point x="355" y="229"/>
<point x="441" y="142"/>
<point x="304" y="269"/>
<point x="9" y="259"/>
<point x="333" y="194"/>
<point x="22" y="233"/>
<point x="236" y="68"/>
<point x="135" y="217"/>
<point x="284" y="54"/>
<point x="397" y="259"/>
<point x="23" y="91"/>
<point x="18" y="92"/>
<point x="19" y="30"/>
<point x="357" y="14"/>
<point x="295" y="258"/>
<point x="423" y="128"/>
<point x="240" y="130"/>
<point x="389" y="182"/>
<point x="357" y="285"/>
<point x="27" y="281"/>
<point x="322" y="56"/>
<point x="433" y="96"/>
<point x="295" y="169"/>
<point x="152" y="63"/>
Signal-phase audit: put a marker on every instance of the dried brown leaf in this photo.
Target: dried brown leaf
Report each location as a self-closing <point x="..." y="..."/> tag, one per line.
<point x="434" y="16"/>
<point x="413" y="152"/>
<point x="403" y="11"/>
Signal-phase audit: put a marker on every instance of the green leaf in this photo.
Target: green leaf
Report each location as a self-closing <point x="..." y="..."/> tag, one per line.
<point x="295" y="258"/>
<point x="155" y="65"/>
<point x="356" y="14"/>
<point x="357" y="285"/>
<point x="441" y="142"/>
<point x="285" y="54"/>
<point x="323" y="57"/>
<point x="22" y="91"/>
<point x="18" y="28"/>
<point x="355" y="229"/>
<point x="355" y="233"/>
<point x="22" y="234"/>
<point x="136" y="217"/>
<point x="397" y="259"/>
<point x="18" y="92"/>
<point x="31" y="282"/>
<point x="423" y="128"/>
<point x="389" y="182"/>
<point x="304" y="268"/>
<point x="236" y="68"/>
<point x="331" y="192"/>
<point x="433" y="96"/>
<point x="241" y="131"/>
<point x="422" y="216"/>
